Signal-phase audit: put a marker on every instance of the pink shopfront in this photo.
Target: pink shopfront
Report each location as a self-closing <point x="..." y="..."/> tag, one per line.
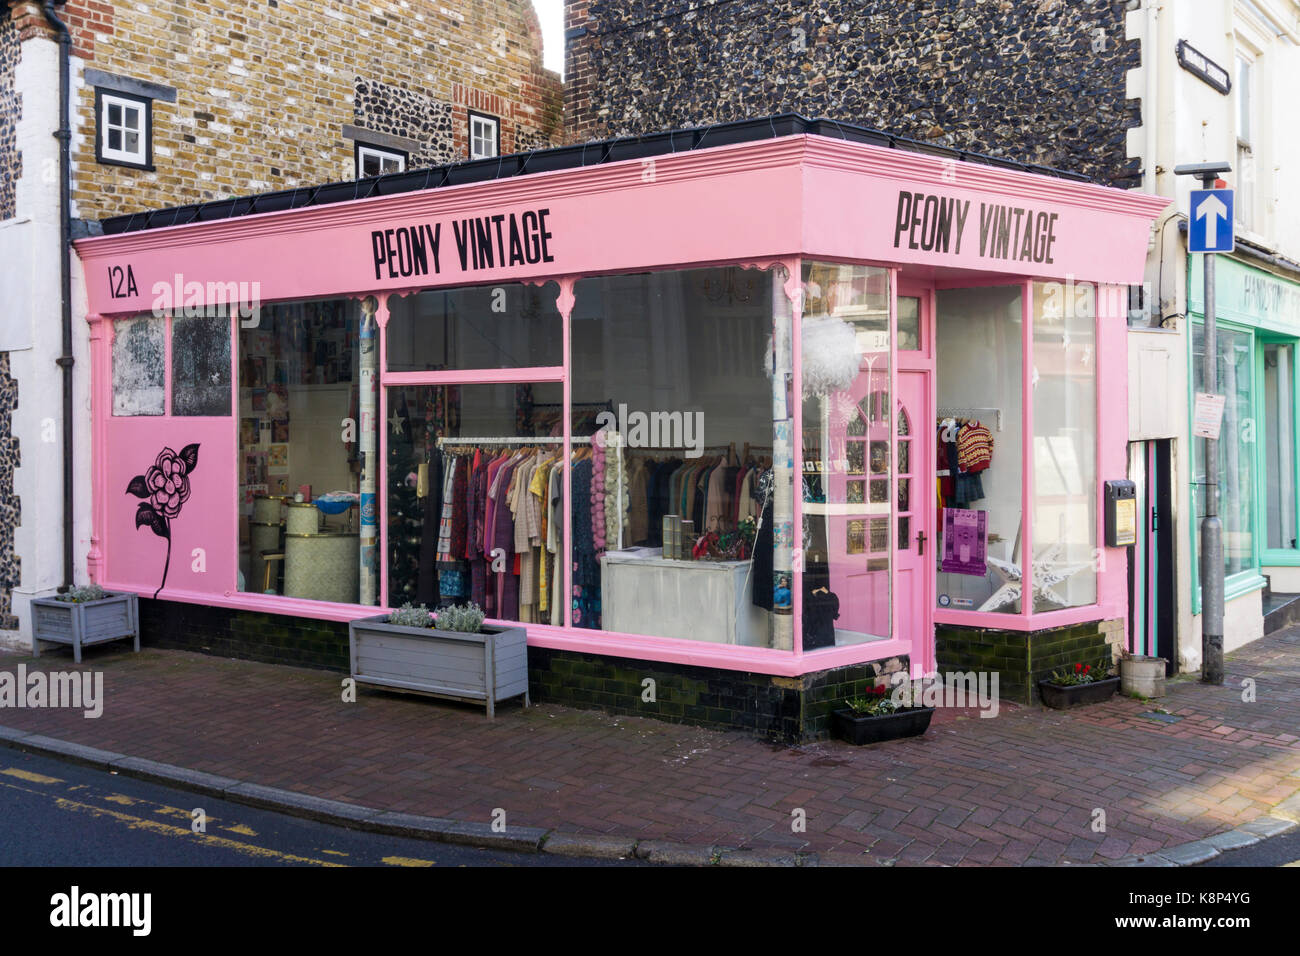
<point x="757" y="420"/>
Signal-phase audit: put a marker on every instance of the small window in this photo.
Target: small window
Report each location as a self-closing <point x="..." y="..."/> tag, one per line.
<point x="124" y="136"/>
<point x="373" y="161"/>
<point x="484" y="136"/>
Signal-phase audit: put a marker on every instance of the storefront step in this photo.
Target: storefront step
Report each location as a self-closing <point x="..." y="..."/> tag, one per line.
<point x="1280" y="610"/>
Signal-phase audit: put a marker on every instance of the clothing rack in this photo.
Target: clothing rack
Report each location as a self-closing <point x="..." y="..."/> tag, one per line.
<point x="970" y="412"/>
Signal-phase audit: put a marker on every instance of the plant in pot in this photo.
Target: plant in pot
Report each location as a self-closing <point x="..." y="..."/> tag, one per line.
<point x="879" y="715"/>
<point x="1084" y="684"/>
<point x="450" y="653"/>
<point x="82" y="616"/>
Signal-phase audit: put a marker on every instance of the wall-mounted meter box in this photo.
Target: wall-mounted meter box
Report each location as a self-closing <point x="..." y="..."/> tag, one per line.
<point x="1121" y="514"/>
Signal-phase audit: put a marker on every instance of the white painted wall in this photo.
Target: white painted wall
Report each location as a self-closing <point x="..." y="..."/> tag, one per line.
<point x="31" y="331"/>
<point x="1188" y="121"/>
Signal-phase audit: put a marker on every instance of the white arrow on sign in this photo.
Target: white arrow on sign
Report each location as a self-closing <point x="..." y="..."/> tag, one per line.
<point x="1212" y="210"/>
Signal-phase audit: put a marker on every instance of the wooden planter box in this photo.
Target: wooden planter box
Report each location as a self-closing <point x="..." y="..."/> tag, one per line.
<point x="486" y="667"/>
<point x="1058" y="697"/>
<point x="112" y="617"/>
<point x="909" y="722"/>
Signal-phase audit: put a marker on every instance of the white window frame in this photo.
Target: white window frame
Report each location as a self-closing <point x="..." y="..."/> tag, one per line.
<point x="384" y="156"/>
<point x="1244" y="122"/>
<point x="143" y="107"/>
<point x="488" y="124"/>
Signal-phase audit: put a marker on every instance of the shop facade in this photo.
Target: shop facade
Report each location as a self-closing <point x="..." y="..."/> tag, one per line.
<point x="1258" y="332"/>
<point x="733" y="430"/>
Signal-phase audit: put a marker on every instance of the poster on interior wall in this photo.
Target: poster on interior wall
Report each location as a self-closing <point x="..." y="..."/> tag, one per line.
<point x="277" y="461"/>
<point x="965" y="541"/>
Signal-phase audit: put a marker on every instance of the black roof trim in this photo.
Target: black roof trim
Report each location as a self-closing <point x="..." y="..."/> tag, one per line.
<point x="555" y="158"/>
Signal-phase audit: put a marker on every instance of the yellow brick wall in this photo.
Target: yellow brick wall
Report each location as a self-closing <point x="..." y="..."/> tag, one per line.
<point x="264" y="87"/>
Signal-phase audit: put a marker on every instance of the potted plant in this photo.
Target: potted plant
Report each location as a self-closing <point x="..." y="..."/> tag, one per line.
<point x="83" y="616"/>
<point x="451" y="654"/>
<point x="1085" y="684"/>
<point x="878" y="716"/>
<point x="1141" y="676"/>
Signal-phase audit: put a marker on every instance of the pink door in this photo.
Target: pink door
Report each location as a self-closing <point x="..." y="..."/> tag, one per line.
<point x="914" y="535"/>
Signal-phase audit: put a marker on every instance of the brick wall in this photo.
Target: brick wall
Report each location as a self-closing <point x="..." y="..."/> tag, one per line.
<point x="1039" y="80"/>
<point x="1023" y="658"/>
<point x="263" y="90"/>
<point x="790" y="709"/>
<point x="223" y="632"/>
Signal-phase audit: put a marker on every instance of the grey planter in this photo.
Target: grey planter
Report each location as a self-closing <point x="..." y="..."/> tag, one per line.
<point x="486" y="667"/>
<point x="1142" y="676"/>
<point x="112" y="617"/>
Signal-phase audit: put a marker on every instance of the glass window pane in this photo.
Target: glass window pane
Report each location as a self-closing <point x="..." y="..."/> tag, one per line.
<point x="1065" y="446"/>
<point x="114" y="114"/>
<point x="462" y="489"/>
<point x="1236" y="445"/>
<point x="308" y="417"/>
<point x="510" y="325"/>
<point x="139" y="366"/>
<point x="1279" y="445"/>
<point x="115" y="139"/>
<point x="131" y="118"/>
<point x="133" y="142"/>
<point x="978" y="383"/>
<point x="847" y="427"/>
<point x="909" y="323"/>
<point x="666" y="536"/>
<point x="201" y="365"/>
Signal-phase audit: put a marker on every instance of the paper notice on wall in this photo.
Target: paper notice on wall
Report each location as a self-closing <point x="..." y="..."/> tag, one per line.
<point x="965" y="541"/>
<point x="1207" y="416"/>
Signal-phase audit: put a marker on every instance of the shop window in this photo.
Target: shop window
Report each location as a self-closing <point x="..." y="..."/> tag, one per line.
<point x="373" y="161"/>
<point x="139" y="366"/>
<point x="848" y="474"/>
<point x="201" y="365"/>
<point x="909" y="323"/>
<point x="509" y="325"/>
<point x="124" y="135"/>
<point x="1279" y="445"/>
<point x="307" y="451"/>
<point x="484" y="136"/>
<point x="457" y="457"/>
<point x="1236" y="445"/>
<point x="674" y="496"/>
<point x="981" y="547"/>
<point x="1065" y="446"/>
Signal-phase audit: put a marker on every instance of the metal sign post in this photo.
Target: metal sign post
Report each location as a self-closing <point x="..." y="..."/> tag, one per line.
<point x="1210" y="232"/>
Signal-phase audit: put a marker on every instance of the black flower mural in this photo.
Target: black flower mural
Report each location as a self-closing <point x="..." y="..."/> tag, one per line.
<point x="165" y="488"/>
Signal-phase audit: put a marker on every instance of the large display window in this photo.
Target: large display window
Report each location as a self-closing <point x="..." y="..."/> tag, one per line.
<point x="307" y="421"/>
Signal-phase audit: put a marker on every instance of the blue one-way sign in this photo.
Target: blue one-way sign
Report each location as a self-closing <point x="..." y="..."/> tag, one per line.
<point x="1210" y="229"/>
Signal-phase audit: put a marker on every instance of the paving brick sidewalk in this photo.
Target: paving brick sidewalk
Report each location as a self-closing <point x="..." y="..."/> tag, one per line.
<point x="1019" y="788"/>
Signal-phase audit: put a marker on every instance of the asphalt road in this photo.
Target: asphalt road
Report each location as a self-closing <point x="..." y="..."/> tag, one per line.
<point x="1279" y="851"/>
<point x="62" y="814"/>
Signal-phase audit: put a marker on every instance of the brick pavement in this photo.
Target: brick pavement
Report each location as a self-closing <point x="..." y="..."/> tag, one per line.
<point x="1019" y="788"/>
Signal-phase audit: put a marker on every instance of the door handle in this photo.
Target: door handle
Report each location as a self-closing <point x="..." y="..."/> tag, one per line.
<point x="920" y="544"/>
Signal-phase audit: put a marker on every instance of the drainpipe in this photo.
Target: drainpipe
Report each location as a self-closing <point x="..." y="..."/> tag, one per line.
<point x="65" y="361"/>
<point x="1151" y="104"/>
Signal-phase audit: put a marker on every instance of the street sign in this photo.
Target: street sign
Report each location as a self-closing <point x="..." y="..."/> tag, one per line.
<point x="1210" y="228"/>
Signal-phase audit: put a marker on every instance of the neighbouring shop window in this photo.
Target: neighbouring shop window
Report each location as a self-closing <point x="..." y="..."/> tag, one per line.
<point x="373" y="161"/>
<point x="848" y="474"/>
<point x="1065" y="445"/>
<point x="123" y="135"/>
<point x="475" y="501"/>
<point x="673" y="497"/>
<point x="201" y="365"/>
<point x="139" y="366"/>
<point x="981" y="547"/>
<point x="1236" y="445"/>
<point x="1279" y="445"/>
<point x="509" y="325"/>
<point x="308" y="410"/>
